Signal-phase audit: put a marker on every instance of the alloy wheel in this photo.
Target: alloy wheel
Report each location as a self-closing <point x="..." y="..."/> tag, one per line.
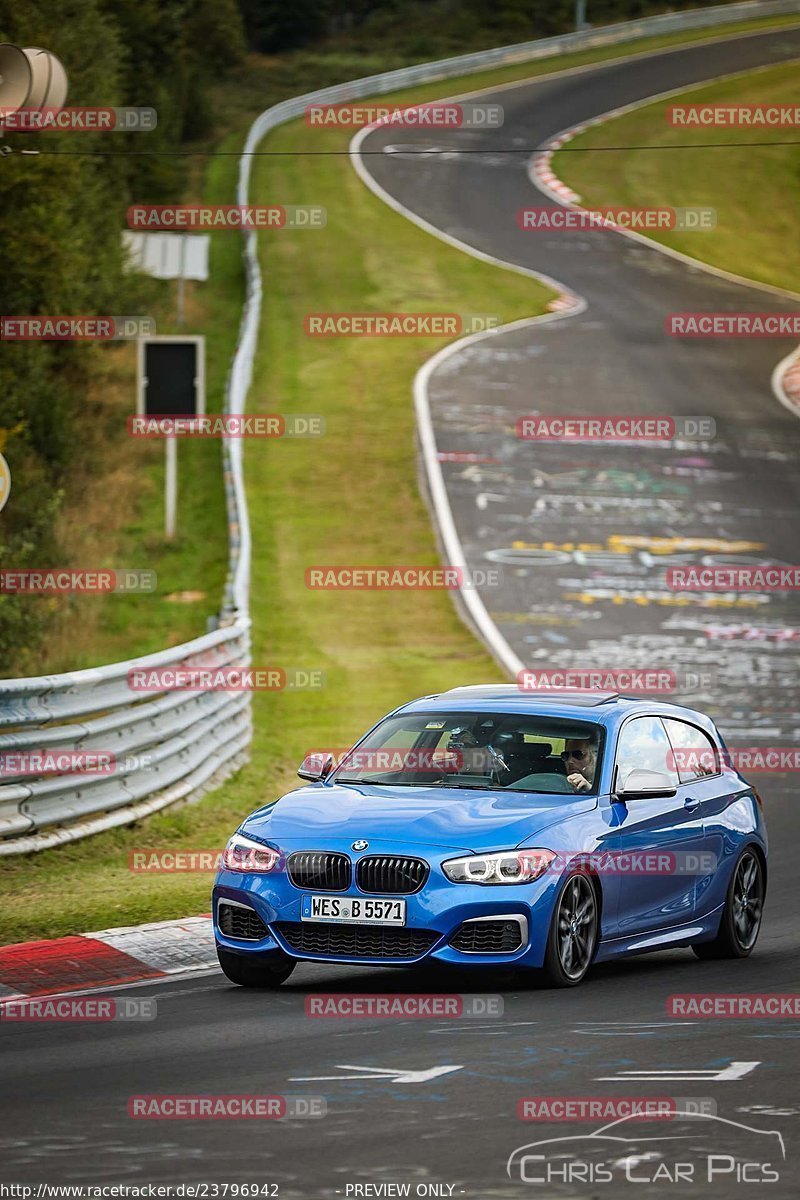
<point x="748" y="900"/>
<point x="577" y="926"/>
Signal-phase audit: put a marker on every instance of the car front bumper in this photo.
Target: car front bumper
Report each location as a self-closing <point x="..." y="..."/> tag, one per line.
<point x="434" y="916"/>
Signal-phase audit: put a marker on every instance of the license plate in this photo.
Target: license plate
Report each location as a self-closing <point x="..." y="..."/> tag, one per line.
<point x="352" y="910"/>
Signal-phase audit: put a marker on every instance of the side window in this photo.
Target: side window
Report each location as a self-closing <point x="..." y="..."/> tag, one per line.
<point x="644" y="746"/>
<point x="695" y="755"/>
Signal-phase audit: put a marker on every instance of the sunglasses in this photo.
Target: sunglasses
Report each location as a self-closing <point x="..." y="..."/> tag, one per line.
<point x="579" y="755"/>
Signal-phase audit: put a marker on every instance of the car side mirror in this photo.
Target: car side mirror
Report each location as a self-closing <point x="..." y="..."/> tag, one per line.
<point x="315" y="767"/>
<point x="642" y="784"/>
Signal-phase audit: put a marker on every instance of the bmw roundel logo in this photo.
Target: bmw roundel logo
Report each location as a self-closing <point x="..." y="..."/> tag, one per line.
<point x="360" y="845"/>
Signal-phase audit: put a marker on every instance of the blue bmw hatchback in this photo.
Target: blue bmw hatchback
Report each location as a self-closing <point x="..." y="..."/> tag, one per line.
<point x="486" y="826"/>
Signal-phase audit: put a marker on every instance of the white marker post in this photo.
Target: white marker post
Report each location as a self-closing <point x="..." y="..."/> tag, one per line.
<point x="170" y="487"/>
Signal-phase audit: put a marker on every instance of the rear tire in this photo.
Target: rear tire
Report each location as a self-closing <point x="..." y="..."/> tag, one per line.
<point x="741" y="916"/>
<point x="255" y="973"/>
<point x="574" y="930"/>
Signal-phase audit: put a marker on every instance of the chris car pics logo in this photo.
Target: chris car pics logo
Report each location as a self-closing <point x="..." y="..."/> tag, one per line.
<point x="697" y="1149"/>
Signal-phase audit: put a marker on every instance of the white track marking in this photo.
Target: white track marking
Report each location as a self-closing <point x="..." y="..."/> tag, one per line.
<point x="380" y="1074"/>
<point x="734" y="1070"/>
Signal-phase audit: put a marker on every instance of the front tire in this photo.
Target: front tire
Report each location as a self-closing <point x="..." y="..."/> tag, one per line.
<point x="252" y="973"/>
<point x="574" y="929"/>
<point x="741" y="916"/>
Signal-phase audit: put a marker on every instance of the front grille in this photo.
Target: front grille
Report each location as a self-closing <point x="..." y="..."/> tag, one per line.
<point x="377" y="874"/>
<point x="487" y="937"/>
<point x="320" y="870"/>
<point x="236" y="922"/>
<point x="356" y="941"/>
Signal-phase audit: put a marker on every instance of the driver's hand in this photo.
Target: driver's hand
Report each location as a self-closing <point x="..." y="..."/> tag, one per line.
<point x="579" y="782"/>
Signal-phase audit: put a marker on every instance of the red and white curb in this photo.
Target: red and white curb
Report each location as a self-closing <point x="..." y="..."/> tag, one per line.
<point x="132" y="954"/>
<point x="544" y="176"/>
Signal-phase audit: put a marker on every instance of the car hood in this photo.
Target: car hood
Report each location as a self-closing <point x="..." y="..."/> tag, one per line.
<point x="321" y="816"/>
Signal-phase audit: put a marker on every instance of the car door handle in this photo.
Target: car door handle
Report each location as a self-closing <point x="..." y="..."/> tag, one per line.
<point x="690" y="804"/>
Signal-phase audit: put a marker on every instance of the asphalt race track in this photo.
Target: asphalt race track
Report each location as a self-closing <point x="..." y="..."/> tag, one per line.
<point x="67" y="1087"/>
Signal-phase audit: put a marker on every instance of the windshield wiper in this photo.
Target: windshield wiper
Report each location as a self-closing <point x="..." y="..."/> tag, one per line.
<point x="379" y="782"/>
<point x="471" y="787"/>
<point x="404" y="783"/>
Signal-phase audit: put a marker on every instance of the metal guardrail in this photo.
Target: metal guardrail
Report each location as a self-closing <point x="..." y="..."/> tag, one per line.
<point x="167" y="746"/>
<point x="179" y="744"/>
<point x="481" y="60"/>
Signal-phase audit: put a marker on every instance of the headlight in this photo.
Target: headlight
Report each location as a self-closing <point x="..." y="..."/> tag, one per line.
<point x="243" y="854"/>
<point x="505" y="866"/>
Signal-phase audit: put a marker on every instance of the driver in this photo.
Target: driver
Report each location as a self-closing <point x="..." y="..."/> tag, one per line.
<point x="580" y="760"/>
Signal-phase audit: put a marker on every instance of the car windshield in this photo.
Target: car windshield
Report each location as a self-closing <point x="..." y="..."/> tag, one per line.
<point x="478" y="751"/>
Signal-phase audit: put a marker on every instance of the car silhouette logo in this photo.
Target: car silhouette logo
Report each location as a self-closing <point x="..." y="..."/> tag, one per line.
<point x="641" y="1146"/>
<point x="360" y="845"/>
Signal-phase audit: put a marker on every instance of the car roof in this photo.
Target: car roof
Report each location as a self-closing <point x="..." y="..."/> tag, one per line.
<point x="480" y="693"/>
<point x="604" y="708"/>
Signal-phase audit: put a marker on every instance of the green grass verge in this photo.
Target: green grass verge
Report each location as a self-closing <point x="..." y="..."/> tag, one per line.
<point x="349" y="497"/>
<point x="749" y="186"/>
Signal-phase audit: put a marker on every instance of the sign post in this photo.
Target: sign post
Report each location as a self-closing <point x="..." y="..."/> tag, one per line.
<point x="170" y="487"/>
<point x="171" y="383"/>
<point x="181" y="285"/>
